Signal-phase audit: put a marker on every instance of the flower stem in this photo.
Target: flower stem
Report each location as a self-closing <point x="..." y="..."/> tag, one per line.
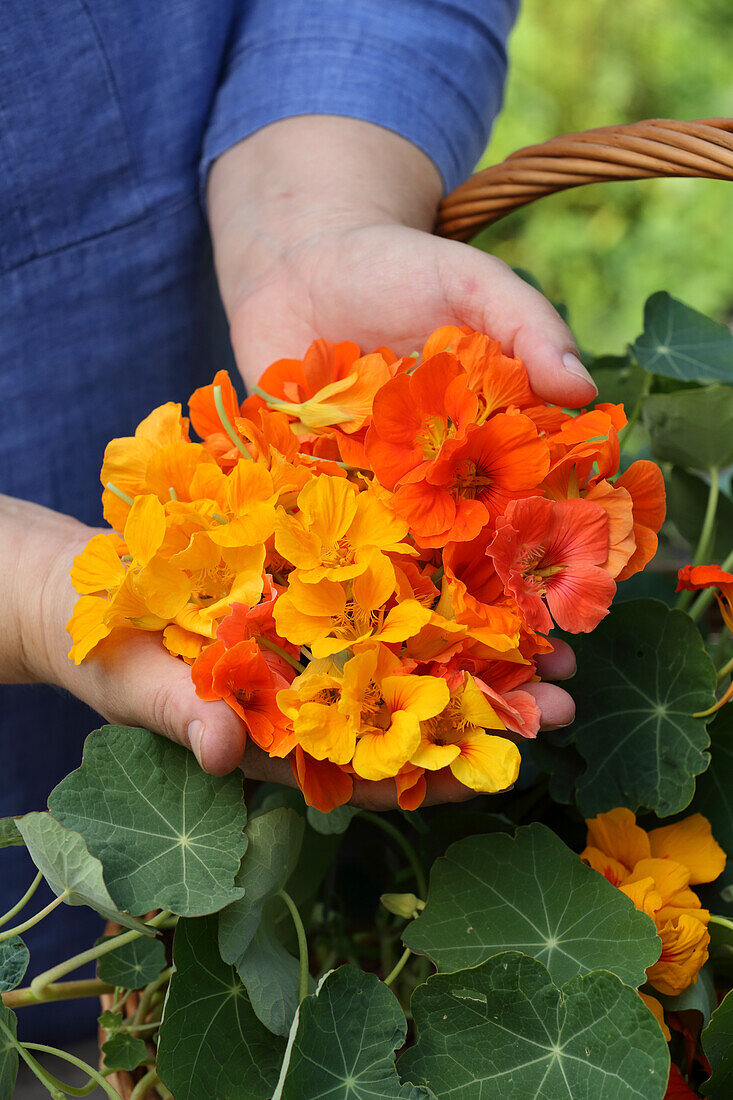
<point x="725" y="670"/>
<point x="302" y="944"/>
<point x="23" y="901"/>
<point x="227" y="425"/>
<point x="281" y="653"/>
<point x="706" y="534"/>
<point x="19" y="929"/>
<point x="42" y="982"/>
<point x="119" y="493"/>
<point x="398" y="967"/>
<point x="722" y="921"/>
<point x="402" y="842"/>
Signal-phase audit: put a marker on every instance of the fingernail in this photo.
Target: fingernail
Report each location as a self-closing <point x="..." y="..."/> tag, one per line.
<point x="574" y="366"/>
<point x="195" y="739"/>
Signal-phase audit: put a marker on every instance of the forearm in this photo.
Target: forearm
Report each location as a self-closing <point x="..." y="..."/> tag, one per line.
<point x="33" y="540"/>
<point x="304" y="176"/>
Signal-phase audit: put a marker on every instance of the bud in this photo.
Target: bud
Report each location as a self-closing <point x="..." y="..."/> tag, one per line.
<point x="403" y="905"/>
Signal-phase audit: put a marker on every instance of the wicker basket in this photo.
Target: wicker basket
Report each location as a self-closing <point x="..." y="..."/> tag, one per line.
<point x="641" y="150"/>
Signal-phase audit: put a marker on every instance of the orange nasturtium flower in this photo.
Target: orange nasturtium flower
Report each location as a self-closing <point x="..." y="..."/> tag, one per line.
<point x="655" y="869"/>
<point x="695" y="577"/>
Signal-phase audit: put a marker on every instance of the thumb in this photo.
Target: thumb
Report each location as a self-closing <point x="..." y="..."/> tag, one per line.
<point x="485" y="294"/>
<point x="140" y="684"/>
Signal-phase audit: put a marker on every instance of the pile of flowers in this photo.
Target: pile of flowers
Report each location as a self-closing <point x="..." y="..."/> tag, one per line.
<point x="656" y="870"/>
<point x="365" y="558"/>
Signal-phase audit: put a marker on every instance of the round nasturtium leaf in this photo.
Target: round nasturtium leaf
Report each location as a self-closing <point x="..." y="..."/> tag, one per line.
<point x="124" y="1051"/>
<point x="717" y="1042"/>
<point x="8" y="1051"/>
<point x="714" y="794"/>
<point x="505" y="1029"/>
<point x="530" y="893"/>
<point x="14" y="959"/>
<point x="132" y="965"/>
<point x="692" y="428"/>
<point x="678" y="342"/>
<point x="211" y="1044"/>
<point x="169" y="835"/>
<point x="345" y="1042"/>
<point x="642" y="674"/>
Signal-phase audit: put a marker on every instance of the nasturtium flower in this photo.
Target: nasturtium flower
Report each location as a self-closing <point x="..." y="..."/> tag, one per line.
<point x="655" y="869"/>
<point x="456" y="738"/>
<point x="550" y="556"/>
<point x="336" y="529"/>
<point x="324" y="785"/>
<point x="311" y="703"/>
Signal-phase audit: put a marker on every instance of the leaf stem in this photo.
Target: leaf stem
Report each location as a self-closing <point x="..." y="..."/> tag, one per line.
<point x="627" y="430"/>
<point x="706" y="597"/>
<point x="403" y="843"/>
<point x="398" y="967"/>
<point x="42" y="982"/>
<point x="302" y="944"/>
<point x="725" y="670"/>
<point x="147" y="994"/>
<point x="61" y="991"/>
<point x="35" y="919"/>
<point x="227" y="425"/>
<point x="148" y="1081"/>
<point x="23" y="901"/>
<point x="94" y="1075"/>
<point x="722" y="921"/>
<point x="706" y="533"/>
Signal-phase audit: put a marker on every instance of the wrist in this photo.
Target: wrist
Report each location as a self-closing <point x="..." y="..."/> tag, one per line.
<point x="303" y="177"/>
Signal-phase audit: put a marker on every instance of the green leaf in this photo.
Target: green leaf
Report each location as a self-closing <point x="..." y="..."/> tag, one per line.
<point x="9" y="833"/>
<point x="8" y="1052"/>
<point x="505" y="1029"/>
<point x="111" y="1021"/>
<point x="687" y="497"/>
<point x="698" y="997"/>
<point x="717" y="1042"/>
<point x="169" y="835"/>
<point x="692" y="428"/>
<point x="14" y="959"/>
<point x="124" y="1051"/>
<point x="337" y="821"/>
<point x="714" y="794"/>
<point x="678" y="342"/>
<point x="530" y="893"/>
<point x="555" y="754"/>
<point x="275" y="840"/>
<point x="132" y="965"/>
<point x="344" y="1043"/>
<point x="641" y="675"/>
<point x="211" y="1043"/>
<point x="62" y="856"/>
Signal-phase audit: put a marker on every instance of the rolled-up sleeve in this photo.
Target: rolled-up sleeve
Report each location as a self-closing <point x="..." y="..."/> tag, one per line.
<point x="430" y="70"/>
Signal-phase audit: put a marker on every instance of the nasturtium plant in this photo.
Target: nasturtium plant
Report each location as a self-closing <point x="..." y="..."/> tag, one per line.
<point x="678" y="342"/>
<point x="530" y="893"/>
<point x="642" y="676"/>
<point x="349" y="939"/>
<point x="505" y="1028"/>
<point x="169" y="835"/>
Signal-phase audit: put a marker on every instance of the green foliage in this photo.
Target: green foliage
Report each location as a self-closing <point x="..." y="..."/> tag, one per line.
<point x="693" y="427"/>
<point x="8" y="1052"/>
<point x="169" y="835"/>
<point x="530" y="893"/>
<point x="699" y="997"/>
<point x="9" y="833"/>
<point x="686" y="499"/>
<point x="344" y="1043"/>
<point x="506" y="1029"/>
<point x="678" y="342"/>
<point x="211" y="1043"/>
<point x="247" y="938"/>
<point x="132" y="965"/>
<point x="64" y="860"/>
<point x="714" y="795"/>
<point x="717" y="1041"/>
<point x="606" y="247"/>
<point x="124" y="1051"/>
<point x="641" y="676"/>
<point x="337" y="821"/>
<point x="14" y="959"/>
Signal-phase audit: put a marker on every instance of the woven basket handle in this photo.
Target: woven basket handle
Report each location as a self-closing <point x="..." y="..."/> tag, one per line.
<point x="642" y="150"/>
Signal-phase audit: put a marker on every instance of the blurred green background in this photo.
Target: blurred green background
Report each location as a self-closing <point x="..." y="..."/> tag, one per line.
<point x="577" y="64"/>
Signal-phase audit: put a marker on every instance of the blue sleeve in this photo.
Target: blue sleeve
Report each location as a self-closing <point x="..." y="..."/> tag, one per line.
<point x="430" y="70"/>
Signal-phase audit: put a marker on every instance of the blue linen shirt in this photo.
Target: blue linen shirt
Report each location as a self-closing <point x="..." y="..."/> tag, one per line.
<point x="111" y="115"/>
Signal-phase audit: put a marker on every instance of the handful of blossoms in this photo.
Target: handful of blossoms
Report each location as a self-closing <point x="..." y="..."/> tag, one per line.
<point x="366" y="557"/>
